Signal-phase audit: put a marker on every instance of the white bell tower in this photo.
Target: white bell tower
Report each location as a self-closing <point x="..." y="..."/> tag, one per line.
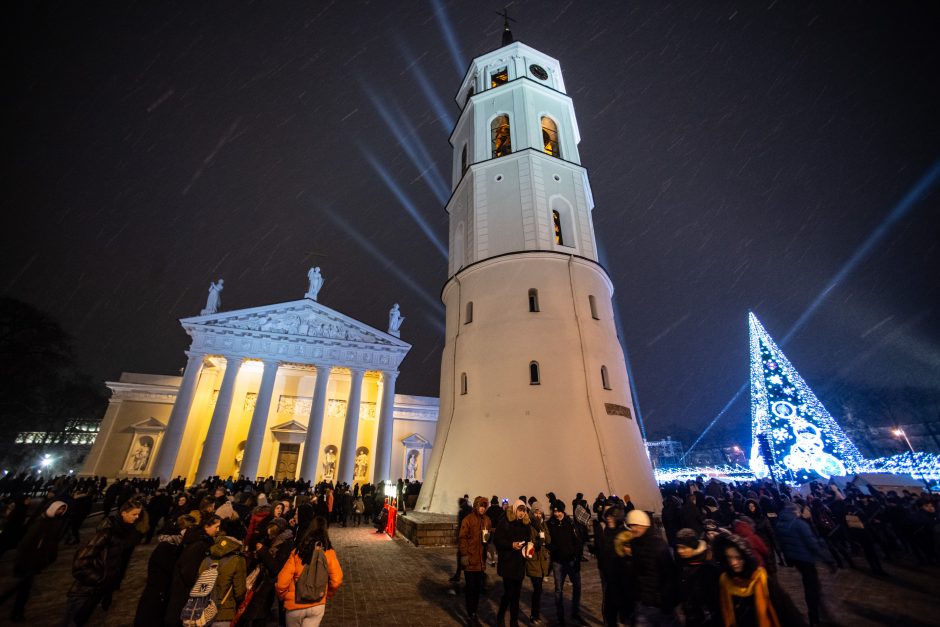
<point x="534" y="389"/>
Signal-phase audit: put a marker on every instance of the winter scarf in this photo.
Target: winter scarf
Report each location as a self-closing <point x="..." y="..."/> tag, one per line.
<point x="756" y="586"/>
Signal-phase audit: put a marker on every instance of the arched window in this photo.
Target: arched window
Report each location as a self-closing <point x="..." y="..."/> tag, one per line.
<point x="605" y="378"/>
<point x="556" y="223"/>
<point x="463" y="160"/>
<point x="463" y="382"/>
<point x="534" y="373"/>
<point x="593" y="303"/>
<point x="533" y="300"/>
<point x="468" y="318"/>
<point x="550" y="137"/>
<point x="499" y="131"/>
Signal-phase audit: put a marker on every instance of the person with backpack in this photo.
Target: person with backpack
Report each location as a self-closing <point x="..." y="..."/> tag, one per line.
<point x="156" y="592"/>
<point x="225" y="570"/>
<point x="310" y="576"/>
<point x="195" y="545"/>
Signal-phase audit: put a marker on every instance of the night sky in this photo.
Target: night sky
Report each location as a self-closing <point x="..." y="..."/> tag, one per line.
<point x="739" y="153"/>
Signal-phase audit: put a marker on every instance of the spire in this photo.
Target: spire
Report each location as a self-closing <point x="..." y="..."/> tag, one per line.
<point x="507" y="32"/>
<point x="805" y="439"/>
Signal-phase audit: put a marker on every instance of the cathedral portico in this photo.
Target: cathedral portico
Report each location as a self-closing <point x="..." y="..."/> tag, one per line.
<point x="291" y="390"/>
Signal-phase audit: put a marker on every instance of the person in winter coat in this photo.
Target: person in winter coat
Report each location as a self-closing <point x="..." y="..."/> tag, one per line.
<point x="565" y="550"/>
<point x="97" y="566"/>
<point x="156" y="592"/>
<point x="744" y="527"/>
<point x="614" y="567"/>
<point x="655" y="578"/>
<point x="511" y="538"/>
<point x="475" y="529"/>
<point x="270" y="557"/>
<point x="698" y="581"/>
<point x="691" y="515"/>
<point x="539" y="566"/>
<point x="496" y="514"/>
<point x="744" y="596"/>
<point x="762" y="527"/>
<point x="38" y="549"/>
<point x="196" y="543"/>
<point x="230" y="582"/>
<point x="82" y="501"/>
<point x="15" y="525"/>
<point x="308" y="614"/>
<point x="802" y="548"/>
<point x="158" y="507"/>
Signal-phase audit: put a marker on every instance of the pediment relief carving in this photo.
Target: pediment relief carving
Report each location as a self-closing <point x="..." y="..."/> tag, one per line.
<point x="303" y="320"/>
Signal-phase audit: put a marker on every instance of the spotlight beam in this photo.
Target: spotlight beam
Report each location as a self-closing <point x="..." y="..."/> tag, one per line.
<point x="449" y="37"/>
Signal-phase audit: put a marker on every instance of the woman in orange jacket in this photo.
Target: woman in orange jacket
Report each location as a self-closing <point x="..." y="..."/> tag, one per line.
<point x="308" y="614"/>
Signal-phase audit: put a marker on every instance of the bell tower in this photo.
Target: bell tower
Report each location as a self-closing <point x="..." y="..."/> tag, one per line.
<point x="534" y="389"/>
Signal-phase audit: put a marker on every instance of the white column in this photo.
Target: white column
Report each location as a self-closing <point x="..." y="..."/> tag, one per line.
<point x="259" y="420"/>
<point x="209" y="460"/>
<point x="308" y="465"/>
<point x="383" y="443"/>
<point x="170" y="445"/>
<point x="347" y="454"/>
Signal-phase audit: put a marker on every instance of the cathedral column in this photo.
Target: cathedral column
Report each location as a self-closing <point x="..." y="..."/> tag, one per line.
<point x="170" y="446"/>
<point x="308" y="465"/>
<point x="209" y="460"/>
<point x="259" y="420"/>
<point x="383" y="443"/>
<point x="347" y="454"/>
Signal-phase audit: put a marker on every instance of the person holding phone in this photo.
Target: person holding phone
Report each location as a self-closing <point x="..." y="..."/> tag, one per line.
<point x="512" y="541"/>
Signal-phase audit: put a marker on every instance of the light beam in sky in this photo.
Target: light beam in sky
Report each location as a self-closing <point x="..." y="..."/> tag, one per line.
<point x="443" y="113"/>
<point x="449" y="37"/>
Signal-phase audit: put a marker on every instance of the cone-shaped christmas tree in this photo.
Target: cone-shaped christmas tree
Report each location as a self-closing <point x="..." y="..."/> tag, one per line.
<point x="803" y="438"/>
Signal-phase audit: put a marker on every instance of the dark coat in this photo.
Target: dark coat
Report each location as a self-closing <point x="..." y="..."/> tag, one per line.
<point x="654" y="572"/>
<point x="196" y="545"/>
<point x="691" y="517"/>
<point x="796" y="539"/>
<point x="698" y="591"/>
<point x="98" y="564"/>
<point x="39" y="547"/>
<point x="156" y="593"/>
<point x="565" y="546"/>
<point x="270" y="563"/>
<point x="511" y="563"/>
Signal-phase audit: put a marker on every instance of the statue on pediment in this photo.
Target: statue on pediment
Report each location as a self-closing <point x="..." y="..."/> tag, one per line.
<point x="215" y="298"/>
<point x="316" y="282"/>
<point x="394" y="321"/>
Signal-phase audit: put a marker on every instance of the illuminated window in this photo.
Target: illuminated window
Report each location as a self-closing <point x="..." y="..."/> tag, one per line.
<point x="463" y="382"/>
<point x="499" y="131"/>
<point x="556" y="222"/>
<point x="593" y="302"/>
<point x="533" y="300"/>
<point x="499" y="77"/>
<point x="534" y="373"/>
<point x="469" y="317"/>
<point x="605" y="378"/>
<point x="463" y="160"/>
<point x="550" y="137"/>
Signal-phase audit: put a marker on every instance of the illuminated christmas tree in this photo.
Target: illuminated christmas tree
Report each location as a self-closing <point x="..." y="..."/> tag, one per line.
<point x="804" y="438"/>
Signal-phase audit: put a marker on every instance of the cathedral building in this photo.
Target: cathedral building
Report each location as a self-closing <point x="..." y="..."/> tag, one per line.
<point x="287" y="390"/>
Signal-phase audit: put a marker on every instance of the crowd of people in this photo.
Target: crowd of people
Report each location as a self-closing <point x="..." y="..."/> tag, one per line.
<point x="254" y="545"/>
<point x="716" y="561"/>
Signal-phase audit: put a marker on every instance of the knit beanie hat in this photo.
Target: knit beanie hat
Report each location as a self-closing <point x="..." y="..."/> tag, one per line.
<point x="687" y="538"/>
<point x="53" y="508"/>
<point x="262" y="499"/>
<point x="535" y="505"/>
<point x="637" y="517"/>
<point x="558" y="506"/>
<point x="225" y="511"/>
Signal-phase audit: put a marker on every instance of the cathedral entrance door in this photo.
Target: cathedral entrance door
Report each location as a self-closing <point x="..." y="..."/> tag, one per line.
<point x="287" y="455"/>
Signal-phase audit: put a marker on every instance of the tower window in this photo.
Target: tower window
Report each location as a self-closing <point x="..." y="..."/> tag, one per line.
<point x="605" y="378"/>
<point x="533" y="300"/>
<point x="463" y="160"/>
<point x="593" y="303"/>
<point x="499" y="77"/>
<point x="468" y="318"/>
<point x="499" y="131"/>
<point x="556" y="224"/>
<point x="534" y="373"/>
<point x="550" y="137"/>
<point x="463" y="382"/>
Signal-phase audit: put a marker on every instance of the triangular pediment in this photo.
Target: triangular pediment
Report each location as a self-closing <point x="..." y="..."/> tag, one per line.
<point x="150" y="424"/>
<point x="291" y="426"/>
<point x="415" y="441"/>
<point x="305" y="318"/>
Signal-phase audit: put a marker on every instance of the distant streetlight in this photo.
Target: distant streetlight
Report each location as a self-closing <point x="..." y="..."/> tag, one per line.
<point x="899" y="433"/>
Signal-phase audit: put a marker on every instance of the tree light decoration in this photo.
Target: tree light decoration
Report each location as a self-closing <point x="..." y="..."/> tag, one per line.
<point x="805" y="438"/>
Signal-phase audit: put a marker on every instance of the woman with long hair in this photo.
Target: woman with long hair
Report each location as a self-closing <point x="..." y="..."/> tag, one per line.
<point x="316" y="538"/>
<point x="744" y="594"/>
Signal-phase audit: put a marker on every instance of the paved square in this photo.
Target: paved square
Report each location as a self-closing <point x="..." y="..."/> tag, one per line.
<point x="390" y="582"/>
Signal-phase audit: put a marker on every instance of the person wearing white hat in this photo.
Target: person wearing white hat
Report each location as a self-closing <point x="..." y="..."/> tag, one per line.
<point x="654" y="571"/>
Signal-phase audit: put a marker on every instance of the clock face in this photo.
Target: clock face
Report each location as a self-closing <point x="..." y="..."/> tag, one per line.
<point x="538" y="72"/>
